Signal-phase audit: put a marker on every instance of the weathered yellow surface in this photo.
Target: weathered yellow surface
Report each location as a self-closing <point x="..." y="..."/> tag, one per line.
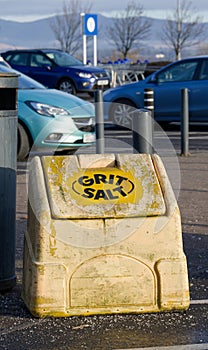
<point x="127" y="186"/>
<point x="104" y="236"/>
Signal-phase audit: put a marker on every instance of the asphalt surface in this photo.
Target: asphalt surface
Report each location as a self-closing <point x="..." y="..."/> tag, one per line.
<point x="20" y="330"/>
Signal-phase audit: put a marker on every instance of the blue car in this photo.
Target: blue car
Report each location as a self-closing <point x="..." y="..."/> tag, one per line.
<point x="51" y="120"/>
<point x="166" y="83"/>
<point x="57" y="69"/>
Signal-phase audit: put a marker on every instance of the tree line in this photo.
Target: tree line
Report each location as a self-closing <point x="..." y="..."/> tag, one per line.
<point x="182" y="29"/>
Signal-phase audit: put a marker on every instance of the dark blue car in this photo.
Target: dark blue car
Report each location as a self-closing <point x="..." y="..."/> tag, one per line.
<point x="57" y="69"/>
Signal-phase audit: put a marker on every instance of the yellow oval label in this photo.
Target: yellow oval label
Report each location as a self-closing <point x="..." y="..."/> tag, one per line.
<point x="92" y="186"/>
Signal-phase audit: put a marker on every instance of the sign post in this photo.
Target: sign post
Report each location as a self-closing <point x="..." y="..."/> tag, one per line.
<point x="90" y="28"/>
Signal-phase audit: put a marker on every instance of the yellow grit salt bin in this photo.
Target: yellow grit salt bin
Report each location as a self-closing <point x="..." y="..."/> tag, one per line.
<point x="104" y="236"/>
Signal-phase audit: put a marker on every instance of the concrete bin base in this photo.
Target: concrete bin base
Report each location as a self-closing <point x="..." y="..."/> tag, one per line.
<point x="104" y="236"/>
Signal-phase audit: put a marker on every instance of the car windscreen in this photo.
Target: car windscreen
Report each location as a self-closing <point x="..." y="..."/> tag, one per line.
<point x="63" y="59"/>
<point x="24" y="82"/>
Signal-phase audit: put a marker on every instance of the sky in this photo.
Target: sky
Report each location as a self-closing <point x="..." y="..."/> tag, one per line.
<point x="28" y="10"/>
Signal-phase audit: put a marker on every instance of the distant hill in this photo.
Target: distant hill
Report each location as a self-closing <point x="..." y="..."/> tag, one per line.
<point x="27" y="34"/>
<point x="38" y="34"/>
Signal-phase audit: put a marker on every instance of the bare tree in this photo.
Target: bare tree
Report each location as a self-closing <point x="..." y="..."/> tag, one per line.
<point x="127" y="30"/>
<point x="182" y="29"/>
<point x="67" y="26"/>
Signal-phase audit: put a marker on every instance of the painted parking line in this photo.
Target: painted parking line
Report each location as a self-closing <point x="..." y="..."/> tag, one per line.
<point x="178" y="347"/>
<point x="202" y="137"/>
<point x="199" y="302"/>
<point x="178" y="137"/>
<point x="175" y="347"/>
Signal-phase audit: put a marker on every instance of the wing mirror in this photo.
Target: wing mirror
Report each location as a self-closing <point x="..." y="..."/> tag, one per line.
<point x="154" y="78"/>
<point x="47" y="67"/>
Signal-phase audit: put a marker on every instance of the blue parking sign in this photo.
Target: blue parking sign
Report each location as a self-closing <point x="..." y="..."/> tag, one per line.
<point x="90" y="24"/>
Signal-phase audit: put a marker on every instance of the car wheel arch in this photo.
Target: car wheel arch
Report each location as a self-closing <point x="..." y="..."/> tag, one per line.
<point x="125" y="100"/>
<point x="66" y="78"/>
<point x="23" y="135"/>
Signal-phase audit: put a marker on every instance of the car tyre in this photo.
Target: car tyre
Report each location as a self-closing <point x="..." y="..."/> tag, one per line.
<point x="23" y="144"/>
<point x="67" y="85"/>
<point x="121" y="113"/>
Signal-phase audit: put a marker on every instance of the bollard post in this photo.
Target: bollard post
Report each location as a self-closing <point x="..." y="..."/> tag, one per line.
<point x="184" y="122"/>
<point x="8" y="156"/>
<point x="142" y="132"/>
<point x="99" y="122"/>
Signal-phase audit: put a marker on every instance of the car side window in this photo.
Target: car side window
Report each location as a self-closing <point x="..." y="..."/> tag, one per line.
<point x="19" y="59"/>
<point x="182" y="71"/>
<point x="38" y="60"/>
<point x="203" y="75"/>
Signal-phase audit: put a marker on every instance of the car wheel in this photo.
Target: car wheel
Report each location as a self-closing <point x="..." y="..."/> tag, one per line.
<point x="121" y="113"/>
<point x="66" y="85"/>
<point x="23" y="144"/>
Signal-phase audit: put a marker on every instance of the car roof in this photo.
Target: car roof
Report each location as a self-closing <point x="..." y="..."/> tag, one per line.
<point x="194" y="57"/>
<point x="32" y="50"/>
<point x="22" y="50"/>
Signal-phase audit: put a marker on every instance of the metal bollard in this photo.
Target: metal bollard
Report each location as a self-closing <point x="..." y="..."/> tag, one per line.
<point x="184" y="123"/>
<point x="99" y="122"/>
<point x="142" y="132"/>
<point x="8" y="165"/>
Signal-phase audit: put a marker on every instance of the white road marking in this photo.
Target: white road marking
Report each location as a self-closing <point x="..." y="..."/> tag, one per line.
<point x="175" y="347"/>
<point x="179" y="347"/>
<point x="198" y="302"/>
<point x="190" y="137"/>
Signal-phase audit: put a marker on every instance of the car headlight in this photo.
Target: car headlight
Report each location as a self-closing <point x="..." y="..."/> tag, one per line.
<point x="84" y="75"/>
<point x="47" y="110"/>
